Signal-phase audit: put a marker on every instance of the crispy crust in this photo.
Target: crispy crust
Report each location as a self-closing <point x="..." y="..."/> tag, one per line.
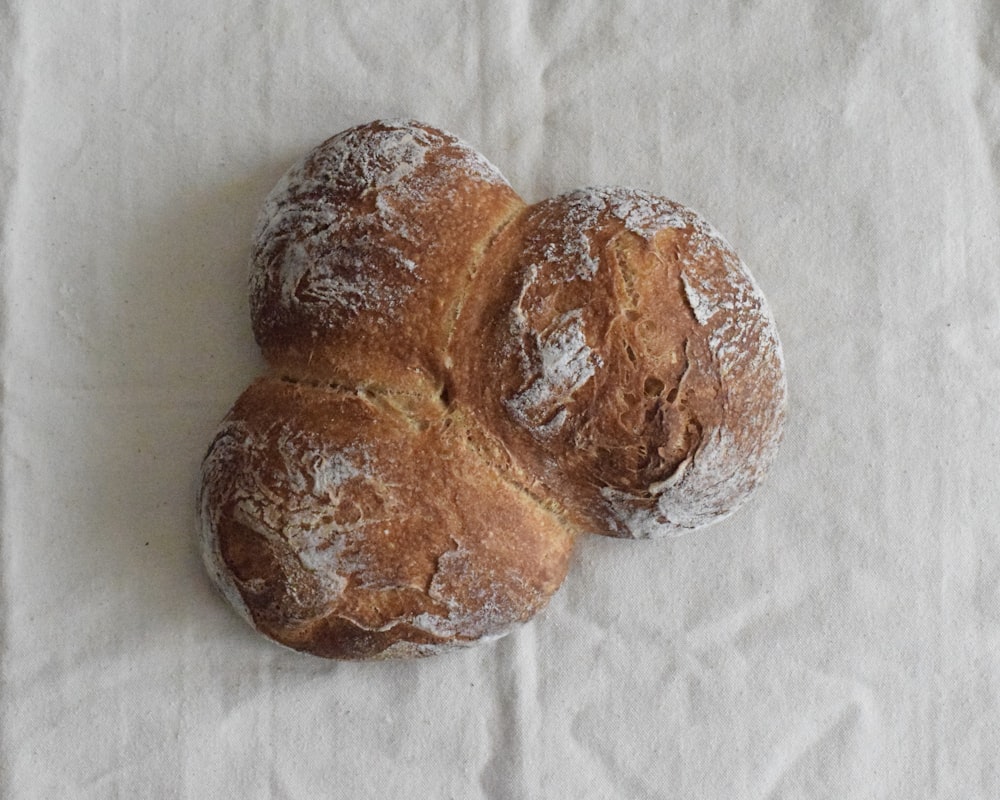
<point x="622" y="352"/>
<point x="359" y="258"/>
<point x="461" y="384"/>
<point x="347" y="524"/>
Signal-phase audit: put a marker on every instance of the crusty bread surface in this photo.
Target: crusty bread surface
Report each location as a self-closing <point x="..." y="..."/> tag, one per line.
<point x="460" y="385"/>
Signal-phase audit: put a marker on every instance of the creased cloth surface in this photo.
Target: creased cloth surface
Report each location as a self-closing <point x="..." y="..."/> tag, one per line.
<point x="839" y="637"/>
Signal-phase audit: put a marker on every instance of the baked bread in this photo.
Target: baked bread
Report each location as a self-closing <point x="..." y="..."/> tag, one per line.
<point x="460" y="384"/>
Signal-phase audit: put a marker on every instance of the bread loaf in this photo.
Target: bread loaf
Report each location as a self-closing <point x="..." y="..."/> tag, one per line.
<point x="460" y="384"/>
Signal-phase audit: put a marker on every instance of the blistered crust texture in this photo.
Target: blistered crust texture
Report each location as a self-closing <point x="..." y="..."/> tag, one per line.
<point x="460" y="384"/>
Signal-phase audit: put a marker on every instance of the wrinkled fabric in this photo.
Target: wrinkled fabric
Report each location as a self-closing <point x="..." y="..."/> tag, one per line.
<point x="838" y="637"/>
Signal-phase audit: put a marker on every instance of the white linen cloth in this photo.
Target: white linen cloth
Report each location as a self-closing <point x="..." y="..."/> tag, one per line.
<point x="838" y="637"/>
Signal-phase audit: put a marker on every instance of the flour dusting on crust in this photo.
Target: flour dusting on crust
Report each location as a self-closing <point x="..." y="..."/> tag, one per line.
<point x="331" y="241"/>
<point x="571" y="249"/>
<point x="561" y="363"/>
<point x="739" y="353"/>
<point x="745" y="350"/>
<point x="334" y="527"/>
<point x="294" y="506"/>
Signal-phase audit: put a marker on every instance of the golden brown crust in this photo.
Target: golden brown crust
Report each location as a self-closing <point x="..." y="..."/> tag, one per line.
<point x="331" y="512"/>
<point x="620" y="349"/>
<point x="461" y="384"/>
<point x="359" y="257"/>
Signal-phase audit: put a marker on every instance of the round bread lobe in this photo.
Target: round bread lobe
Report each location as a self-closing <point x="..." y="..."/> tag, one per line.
<point x="345" y="525"/>
<point x="365" y="247"/>
<point x="624" y="354"/>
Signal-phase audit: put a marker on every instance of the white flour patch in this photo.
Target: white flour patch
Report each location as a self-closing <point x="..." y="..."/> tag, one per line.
<point x="562" y="364"/>
<point x="644" y="214"/>
<point x="293" y="506"/>
<point x="704" y="493"/>
<point x="700" y="301"/>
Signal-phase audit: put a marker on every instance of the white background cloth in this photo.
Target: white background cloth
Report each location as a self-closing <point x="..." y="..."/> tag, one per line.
<point x="838" y="637"/>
